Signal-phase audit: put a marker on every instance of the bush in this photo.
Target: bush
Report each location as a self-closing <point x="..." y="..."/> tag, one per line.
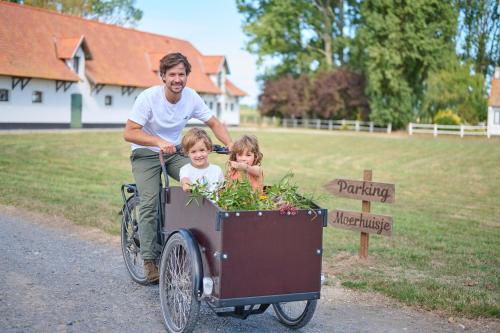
<point x="447" y="117"/>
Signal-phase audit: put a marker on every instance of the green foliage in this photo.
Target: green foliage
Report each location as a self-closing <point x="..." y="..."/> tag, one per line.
<point x="302" y="35"/>
<point x="236" y="195"/>
<point x="121" y="12"/>
<point x="456" y="88"/>
<point x="397" y="44"/>
<point x="447" y="117"/>
<point x="478" y="34"/>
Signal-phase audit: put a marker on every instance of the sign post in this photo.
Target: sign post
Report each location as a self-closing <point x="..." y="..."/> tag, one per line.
<point x="365" y="222"/>
<point x="365" y="208"/>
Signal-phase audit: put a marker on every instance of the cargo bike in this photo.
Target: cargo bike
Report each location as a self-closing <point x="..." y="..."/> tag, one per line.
<point x="238" y="262"/>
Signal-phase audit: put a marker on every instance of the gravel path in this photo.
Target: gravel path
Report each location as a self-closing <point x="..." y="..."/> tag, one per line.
<point x="56" y="277"/>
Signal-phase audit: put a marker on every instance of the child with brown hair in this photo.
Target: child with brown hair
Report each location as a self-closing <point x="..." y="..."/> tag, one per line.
<point x="244" y="161"/>
<point x="197" y="144"/>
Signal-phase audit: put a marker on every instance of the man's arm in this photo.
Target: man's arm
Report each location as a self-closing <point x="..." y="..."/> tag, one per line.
<point x="133" y="133"/>
<point x="220" y="131"/>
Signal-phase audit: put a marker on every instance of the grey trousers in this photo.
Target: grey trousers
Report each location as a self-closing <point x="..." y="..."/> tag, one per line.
<point x="147" y="174"/>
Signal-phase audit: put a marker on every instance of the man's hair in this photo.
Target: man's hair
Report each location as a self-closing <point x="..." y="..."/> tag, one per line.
<point x="192" y="137"/>
<point x="172" y="60"/>
<point x="248" y="143"/>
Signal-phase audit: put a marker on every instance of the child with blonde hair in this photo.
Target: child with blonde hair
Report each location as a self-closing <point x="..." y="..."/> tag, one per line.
<point x="244" y="161"/>
<point x="196" y="144"/>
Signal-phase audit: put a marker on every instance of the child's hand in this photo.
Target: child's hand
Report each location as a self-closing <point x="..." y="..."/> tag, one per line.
<point x="233" y="164"/>
<point x="186" y="187"/>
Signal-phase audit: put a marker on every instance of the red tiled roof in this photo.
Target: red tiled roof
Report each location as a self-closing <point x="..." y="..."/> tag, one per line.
<point x="213" y="64"/>
<point x="120" y="56"/>
<point x="234" y="90"/>
<point x="494" y="99"/>
<point x="67" y="47"/>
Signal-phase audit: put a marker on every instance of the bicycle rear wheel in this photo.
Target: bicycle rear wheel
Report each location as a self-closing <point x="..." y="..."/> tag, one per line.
<point x="131" y="248"/>
<point x="295" y="314"/>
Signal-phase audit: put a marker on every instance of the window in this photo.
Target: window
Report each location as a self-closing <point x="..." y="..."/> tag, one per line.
<point x="4" y="95"/>
<point x="211" y="105"/>
<point x="219" y="80"/>
<point x="108" y="100"/>
<point x="496" y="117"/>
<point x="76" y="64"/>
<point x="225" y="107"/>
<point x="37" y="97"/>
<point x="232" y="107"/>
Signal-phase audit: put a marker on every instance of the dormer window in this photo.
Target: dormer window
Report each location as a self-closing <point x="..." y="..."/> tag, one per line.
<point x="76" y="64"/>
<point x="219" y="80"/>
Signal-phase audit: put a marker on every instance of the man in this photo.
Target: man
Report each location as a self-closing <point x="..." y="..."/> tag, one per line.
<point x="155" y="124"/>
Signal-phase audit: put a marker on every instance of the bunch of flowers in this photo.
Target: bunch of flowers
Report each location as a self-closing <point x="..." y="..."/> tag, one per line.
<point x="239" y="195"/>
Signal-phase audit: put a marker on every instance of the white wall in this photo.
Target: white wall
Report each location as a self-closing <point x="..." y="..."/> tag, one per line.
<point x="55" y="106"/>
<point x="493" y="128"/>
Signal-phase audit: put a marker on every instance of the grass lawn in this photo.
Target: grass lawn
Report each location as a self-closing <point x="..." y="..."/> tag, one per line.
<point x="445" y="250"/>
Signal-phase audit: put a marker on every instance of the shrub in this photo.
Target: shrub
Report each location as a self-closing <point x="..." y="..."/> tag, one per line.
<point x="447" y="117"/>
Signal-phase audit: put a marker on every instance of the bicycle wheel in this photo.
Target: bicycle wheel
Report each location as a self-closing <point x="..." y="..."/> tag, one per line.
<point x="179" y="304"/>
<point x="130" y="242"/>
<point x="295" y="314"/>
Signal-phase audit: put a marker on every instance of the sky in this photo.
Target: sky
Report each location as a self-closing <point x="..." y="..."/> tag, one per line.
<point x="213" y="27"/>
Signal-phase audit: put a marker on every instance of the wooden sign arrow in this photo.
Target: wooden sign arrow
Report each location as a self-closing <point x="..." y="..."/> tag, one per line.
<point x="363" y="222"/>
<point x="362" y="190"/>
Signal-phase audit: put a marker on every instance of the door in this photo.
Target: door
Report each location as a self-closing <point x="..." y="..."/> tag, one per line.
<point x="76" y="111"/>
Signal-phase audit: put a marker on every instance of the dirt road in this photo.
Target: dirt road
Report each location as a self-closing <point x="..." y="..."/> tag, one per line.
<point x="57" y="277"/>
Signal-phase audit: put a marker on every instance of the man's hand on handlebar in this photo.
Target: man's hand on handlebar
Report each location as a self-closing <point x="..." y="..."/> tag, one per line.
<point x="166" y="147"/>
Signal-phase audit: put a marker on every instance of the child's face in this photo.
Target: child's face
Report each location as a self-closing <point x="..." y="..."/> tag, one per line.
<point x="245" y="157"/>
<point x="198" y="154"/>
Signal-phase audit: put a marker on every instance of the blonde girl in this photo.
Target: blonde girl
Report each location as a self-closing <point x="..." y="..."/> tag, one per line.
<point x="244" y="161"/>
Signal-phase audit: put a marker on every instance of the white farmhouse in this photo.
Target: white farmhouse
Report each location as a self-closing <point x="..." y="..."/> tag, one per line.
<point x="61" y="71"/>
<point x="494" y="105"/>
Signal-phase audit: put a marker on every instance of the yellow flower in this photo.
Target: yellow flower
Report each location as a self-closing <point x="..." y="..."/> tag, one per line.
<point x="263" y="197"/>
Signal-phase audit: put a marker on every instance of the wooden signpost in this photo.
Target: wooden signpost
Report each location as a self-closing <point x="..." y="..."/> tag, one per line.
<point x="366" y="223"/>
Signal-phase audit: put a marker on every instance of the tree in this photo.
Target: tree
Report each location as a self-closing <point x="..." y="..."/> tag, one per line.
<point x="286" y="97"/>
<point x="339" y="94"/>
<point x="479" y="34"/>
<point x="335" y="94"/>
<point x="299" y="36"/>
<point x="456" y="89"/>
<point x="121" y="12"/>
<point x="398" y="43"/>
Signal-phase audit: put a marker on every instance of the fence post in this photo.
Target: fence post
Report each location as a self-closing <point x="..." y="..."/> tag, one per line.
<point x="371" y="126"/>
<point x="410" y="129"/>
<point x="461" y="130"/>
<point x="435" y="130"/>
<point x="318" y="124"/>
<point x="294" y="122"/>
<point x="330" y="125"/>
<point x="488" y="134"/>
<point x="283" y="122"/>
<point x="356" y="125"/>
<point x="389" y="128"/>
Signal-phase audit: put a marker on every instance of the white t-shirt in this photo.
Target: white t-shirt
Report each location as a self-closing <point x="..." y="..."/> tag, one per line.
<point x="212" y="175"/>
<point x="161" y="118"/>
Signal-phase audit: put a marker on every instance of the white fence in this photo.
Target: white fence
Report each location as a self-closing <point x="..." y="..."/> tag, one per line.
<point x="436" y="129"/>
<point x="350" y="125"/>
